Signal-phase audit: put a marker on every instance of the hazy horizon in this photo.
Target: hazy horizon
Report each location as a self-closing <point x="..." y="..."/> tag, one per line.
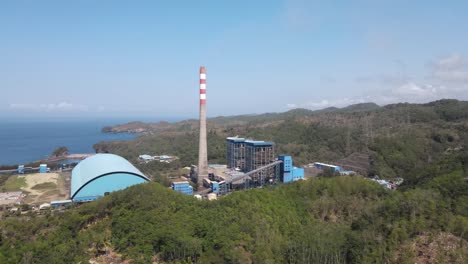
<point x="92" y="59"/>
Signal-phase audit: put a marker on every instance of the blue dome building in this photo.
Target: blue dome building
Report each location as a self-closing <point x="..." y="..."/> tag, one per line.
<point x="101" y="174"/>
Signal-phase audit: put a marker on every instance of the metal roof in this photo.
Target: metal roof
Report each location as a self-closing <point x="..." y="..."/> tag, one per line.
<point x="180" y="182"/>
<point x="327" y="165"/>
<point x="99" y="165"/>
<point x="235" y="139"/>
<point x="258" y="143"/>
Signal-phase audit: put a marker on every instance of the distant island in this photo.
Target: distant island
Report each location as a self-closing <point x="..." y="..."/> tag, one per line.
<point x="136" y="127"/>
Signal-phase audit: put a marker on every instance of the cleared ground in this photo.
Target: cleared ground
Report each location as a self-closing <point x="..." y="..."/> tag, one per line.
<point x="39" y="187"/>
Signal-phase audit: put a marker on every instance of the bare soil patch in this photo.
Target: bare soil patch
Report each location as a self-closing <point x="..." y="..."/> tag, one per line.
<point x="44" y="187"/>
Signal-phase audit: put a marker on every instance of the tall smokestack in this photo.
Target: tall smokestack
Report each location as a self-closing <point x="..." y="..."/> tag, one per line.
<point x="202" y="150"/>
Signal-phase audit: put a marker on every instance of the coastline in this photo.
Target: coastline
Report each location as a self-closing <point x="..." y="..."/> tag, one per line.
<point x="23" y="142"/>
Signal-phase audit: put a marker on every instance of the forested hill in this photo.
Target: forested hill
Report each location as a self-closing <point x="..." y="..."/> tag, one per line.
<point x="328" y="220"/>
<point x="320" y="220"/>
<point x="400" y="140"/>
<point x="447" y="109"/>
<point x="227" y="121"/>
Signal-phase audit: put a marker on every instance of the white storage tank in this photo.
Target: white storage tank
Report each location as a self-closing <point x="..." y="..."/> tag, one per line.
<point x="212" y="196"/>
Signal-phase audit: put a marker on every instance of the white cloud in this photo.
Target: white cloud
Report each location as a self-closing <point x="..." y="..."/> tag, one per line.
<point x="454" y="61"/>
<point x="291" y="105"/>
<point x="406" y="92"/>
<point x="452" y="68"/>
<point x="317" y="105"/>
<point x="51" y="107"/>
<point x="340" y="102"/>
<point x="22" y="106"/>
<point x="451" y="76"/>
<point x="448" y="78"/>
<point x="412" y="89"/>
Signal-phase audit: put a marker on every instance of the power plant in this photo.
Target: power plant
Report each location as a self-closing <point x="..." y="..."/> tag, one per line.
<point x="202" y="172"/>
<point x="250" y="163"/>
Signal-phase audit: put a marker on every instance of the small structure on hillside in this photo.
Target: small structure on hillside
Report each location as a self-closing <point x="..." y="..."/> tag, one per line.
<point x="297" y="174"/>
<point x="146" y="158"/>
<point x="44" y="206"/>
<point x="43" y="168"/>
<point x="389" y="184"/>
<point x="182" y="187"/>
<point x="322" y="166"/>
<point x="64" y="203"/>
<point x="212" y="196"/>
<point x="163" y="158"/>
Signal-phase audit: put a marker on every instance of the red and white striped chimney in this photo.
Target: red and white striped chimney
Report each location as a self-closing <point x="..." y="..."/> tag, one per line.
<point x="202" y="148"/>
<point x="202" y="85"/>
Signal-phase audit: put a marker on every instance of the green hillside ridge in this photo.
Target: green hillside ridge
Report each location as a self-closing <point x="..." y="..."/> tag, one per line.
<point x="327" y="220"/>
<point x="401" y="139"/>
<point x="320" y="220"/>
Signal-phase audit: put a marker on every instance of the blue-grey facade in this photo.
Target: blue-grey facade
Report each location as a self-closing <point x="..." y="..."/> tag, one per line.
<point x="43" y="168"/>
<point x="286" y="177"/>
<point x="287" y="163"/>
<point x="101" y="174"/>
<point x="258" y="154"/>
<point x="235" y="153"/>
<point x="183" y="187"/>
<point x="297" y="174"/>
<point x="286" y="168"/>
<point x="215" y="186"/>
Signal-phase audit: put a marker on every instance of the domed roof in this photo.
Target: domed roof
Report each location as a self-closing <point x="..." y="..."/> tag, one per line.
<point x="100" y="165"/>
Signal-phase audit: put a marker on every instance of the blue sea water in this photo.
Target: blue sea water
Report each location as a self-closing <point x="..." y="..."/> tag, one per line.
<point x="23" y="141"/>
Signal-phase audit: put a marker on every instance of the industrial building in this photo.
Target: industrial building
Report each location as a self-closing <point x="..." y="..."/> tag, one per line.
<point x="61" y="203"/>
<point x="287" y="163"/>
<point x="43" y="168"/>
<point x="288" y="172"/>
<point x="297" y="174"/>
<point x="235" y="147"/>
<point x="252" y="163"/>
<point x="146" y="158"/>
<point x="322" y="166"/>
<point x="258" y="154"/>
<point x="182" y="187"/>
<point x="286" y="168"/>
<point x="163" y="158"/>
<point x="101" y="174"/>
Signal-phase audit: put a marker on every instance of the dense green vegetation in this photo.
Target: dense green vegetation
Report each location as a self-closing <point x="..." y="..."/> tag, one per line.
<point x="321" y="220"/>
<point x="401" y="139"/>
<point x="329" y="220"/>
<point x="61" y="151"/>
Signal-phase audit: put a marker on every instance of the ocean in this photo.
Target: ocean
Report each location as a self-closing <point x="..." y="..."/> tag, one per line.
<point x="23" y="141"/>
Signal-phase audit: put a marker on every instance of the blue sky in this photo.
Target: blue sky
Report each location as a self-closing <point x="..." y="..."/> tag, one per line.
<point x="141" y="58"/>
